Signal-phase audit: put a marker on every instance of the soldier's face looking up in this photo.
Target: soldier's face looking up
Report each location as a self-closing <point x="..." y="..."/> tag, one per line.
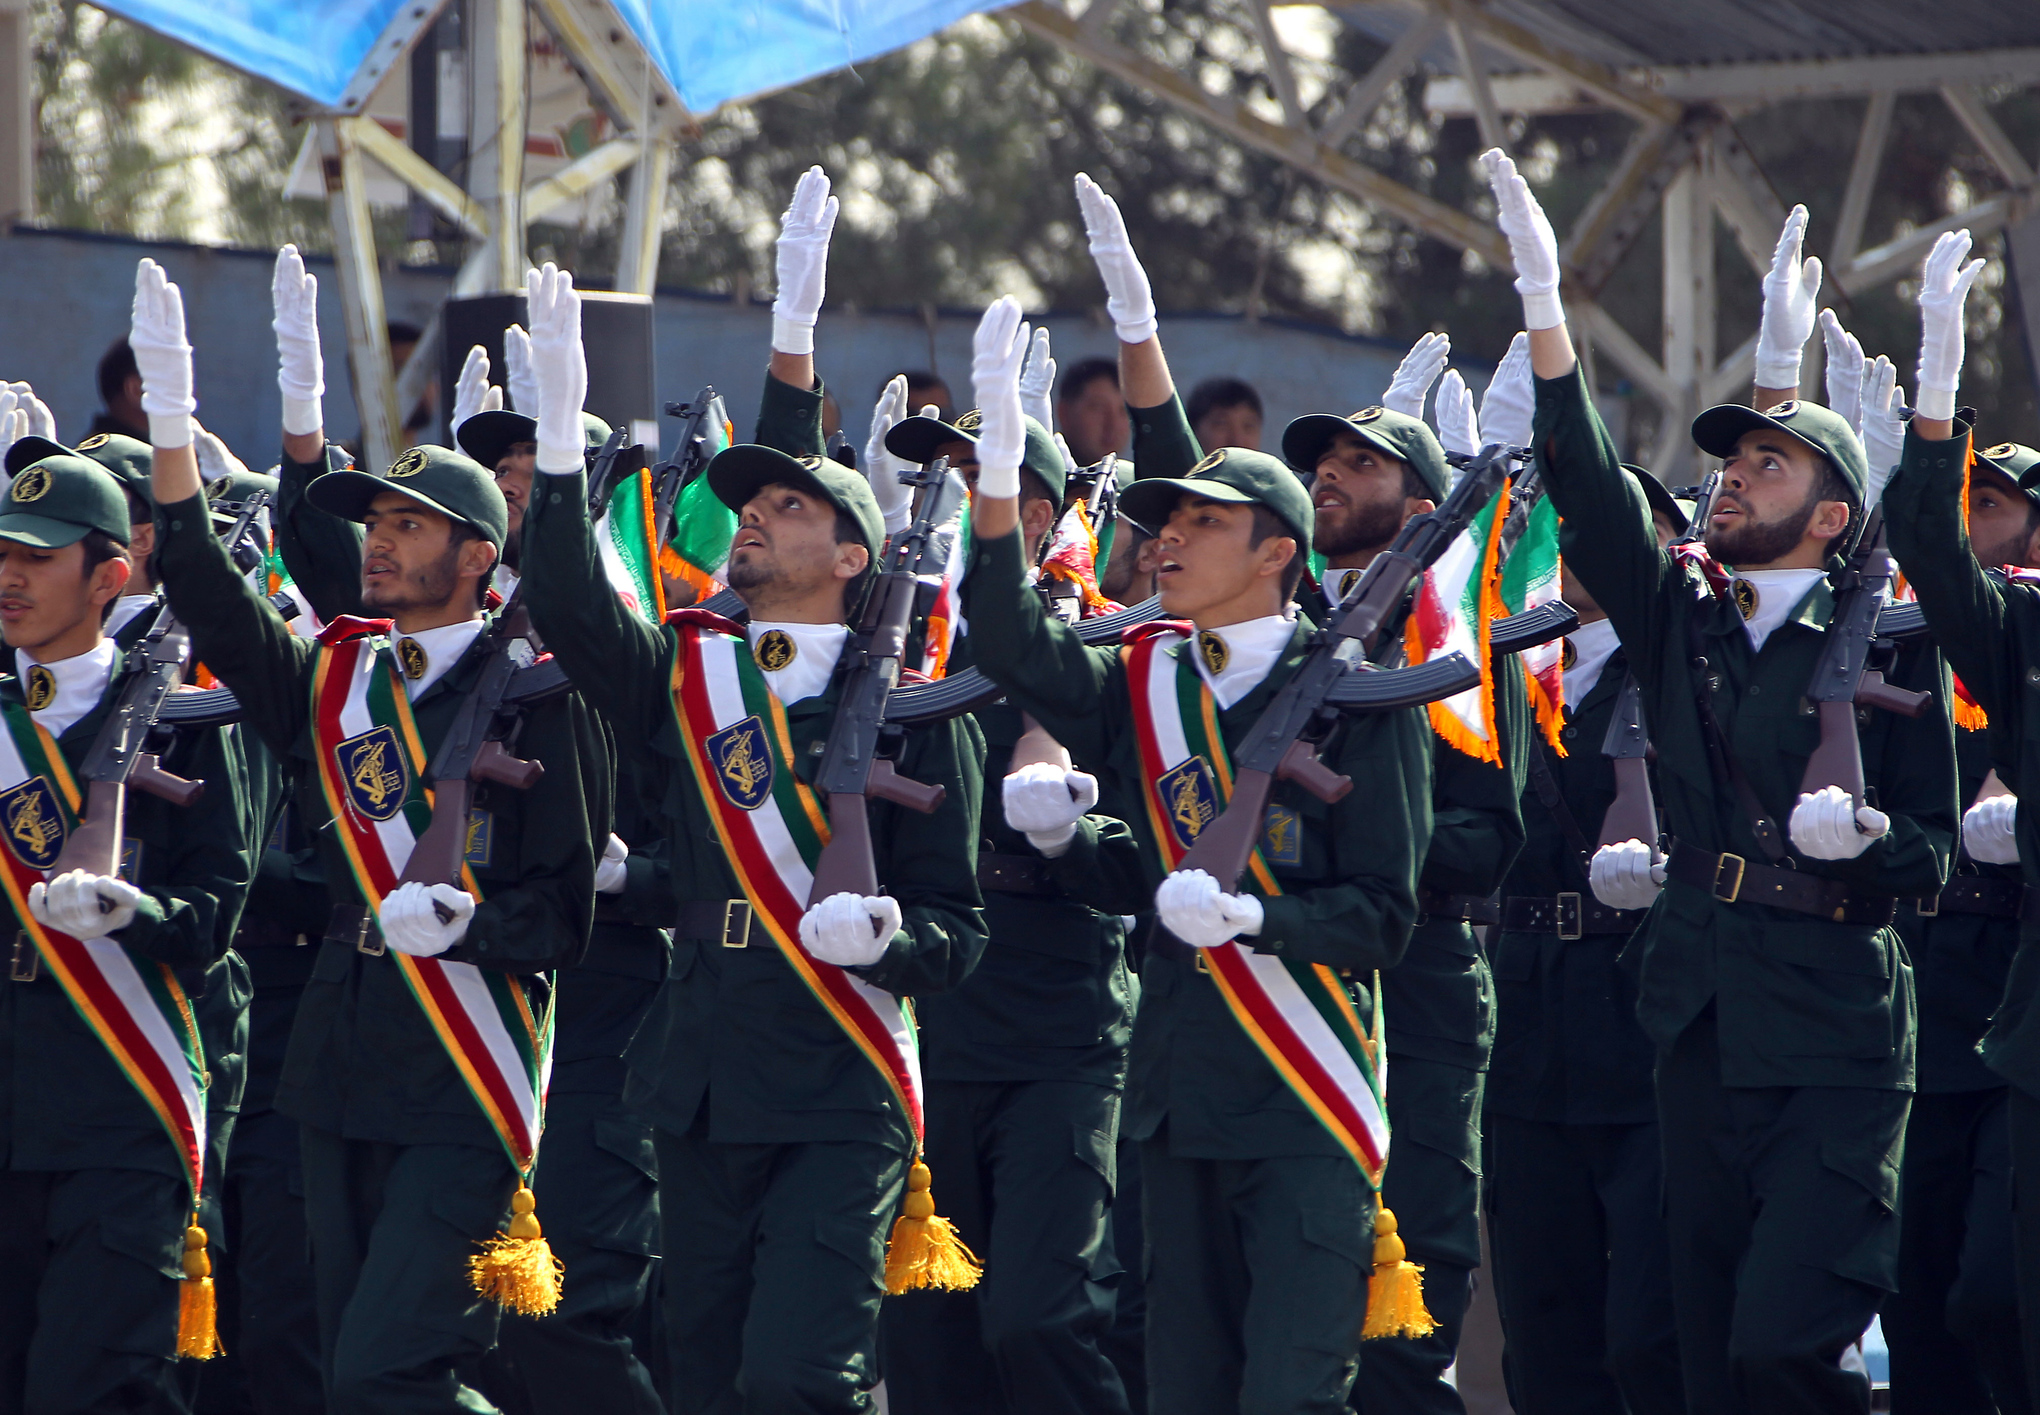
<point x="2001" y="520"/>
<point x="1769" y="504"/>
<point x="409" y="561"/>
<point x="1207" y="569"/>
<point x="46" y="596"/>
<point x="1359" y="497"/>
<point x="785" y="551"/>
<point x="513" y="479"/>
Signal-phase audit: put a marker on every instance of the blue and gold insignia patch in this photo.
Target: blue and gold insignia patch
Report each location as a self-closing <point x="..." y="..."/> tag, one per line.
<point x="481" y="839"/>
<point x="131" y="860"/>
<point x="373" y="769"/>
<point x="1190" y="800"/>
<point x="743" y="763"/>
<point x="1282" y="837"/>
<point x="34" y="819"/>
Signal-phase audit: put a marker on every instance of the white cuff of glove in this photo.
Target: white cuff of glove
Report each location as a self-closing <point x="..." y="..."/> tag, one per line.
<point x="792" y="336"/>
<point x="1778" y="374"/>
<point x="998" y="481"/>
<point x="1934" y="404"/>
<point x="172" y="431"/>
<point x="1138" y="333"/>
<point x="1542" y="309"/>
<point x="558" y="461"/>
<point x="1053" y="844"/>
<point x="300" y="416"/>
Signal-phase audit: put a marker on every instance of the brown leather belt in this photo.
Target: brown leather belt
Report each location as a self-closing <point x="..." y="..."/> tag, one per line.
<point x="1734" y="880"/>
<point x="354" y="925"/>
<point x="267" y="933"/>
<point x="723" y="921"/>
<point x="1458" y="908"/>
<point x="1014" y="874"/>
<point x="1571" y="915"/>
<point x="1991" y="898"/>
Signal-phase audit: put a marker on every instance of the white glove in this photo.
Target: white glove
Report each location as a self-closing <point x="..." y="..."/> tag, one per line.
<point x="1509" y="407"/>
<point x="1037" y="379"/>
<point x="162" y="356"/>
<point x="996" y="354"/>
<point x="300" y="369"/>
<point x="1883" y="428"/>
<point x="1044" y="803"/>
<point x="802" y="263"/>
<point x="1531" y="242"/>
<point x="41" y="422"/>
<point x="473" y="393"/>
<point x="13" y="425"/>
<point x="1627" y="875"/>
<point x="1129" y="299"/>
<point x="1827" y="826"/>
<point x="850" y="930"/>
<point x="1845" y="369"/>
<point x="215" y="458"/>
<point x="411" y="924"/>
<point x="1989" y="831"/>
<point x="84" y="905"/>
<point x="1416" y="373"/>
<point x="1457" y="429"/>
<point x="609" y="871"/>
<point x="519" y="377"/>
<point x="895" y="498"/>
<point x="1789" y="294"/>
<point x="559" y="368"/>
<point x="1196" y="910"/>
<point x="1943" y="287"/>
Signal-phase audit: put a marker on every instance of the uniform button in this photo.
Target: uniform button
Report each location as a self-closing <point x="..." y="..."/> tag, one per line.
<point x="1755" y="689"/>
<point x="177" y="525"/>
<point x="2033" y="676"/>
<point x="556" y="498"/>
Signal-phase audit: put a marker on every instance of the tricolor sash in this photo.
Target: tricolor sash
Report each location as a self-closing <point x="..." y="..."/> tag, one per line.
<point x="1298" y="1015"/>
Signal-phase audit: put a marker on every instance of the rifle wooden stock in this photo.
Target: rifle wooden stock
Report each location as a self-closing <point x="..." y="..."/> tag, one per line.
<point x="148" y="775"/>
<point x="846" y="865"/>
<point x="1632" y="815"/>
<point x="1838" y="760"/>
<point x="94" y="843"/>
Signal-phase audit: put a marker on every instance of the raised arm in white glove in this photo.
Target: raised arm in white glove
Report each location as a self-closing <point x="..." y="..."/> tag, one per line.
<point x="13" y="422"/>
<point x="1037" y="382"/>
<point x="1943" y="288"/>
<point x="215" y="458"/>
<point x="1044" y="803"/>
<point x="1790" y="292"/>
<point x="1129" y="299"/>
<point x="1989" y="830"/>
<point x="300" y="367"/>
<point x="996" y="355"/>
<point x="1458" y="430"/>
<point x="1883" y="427"/>
<point x="410" y="920"/>
<point x="850" y="930"/>
<point x="162" y="356"/>
<point x="1627" y="875"/>
<point x="559" y="366"/>
<point x="609" y="870"/>
<point x="1509" y="407"/>
<point x="40" y="421"/>
<point x="1196" y="910"/>
<point x="895" y="498"/>
<point x="472" y="392"/>
<point x="1846" y="367"/>
<point x="84" y="905"/>
<point x="520" y="379"/>
<point x="1531" y="243"/>
<point x="802" y="263"/>
<point x="1827" y="825"/>
<point x="1416" y="373"/>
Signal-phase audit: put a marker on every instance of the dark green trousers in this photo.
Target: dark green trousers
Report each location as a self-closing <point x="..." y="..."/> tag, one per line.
<point x="1256" y="1281"/>
<point x="89" y="1266"/>
<point x="1953" y="1324"/>
<point x="774" y="1268"/>
<point x="1024" y="1171"/>
<point x="1782" y="1214"/>
<point x="1432" y="1185"/>
<point x="2024" y="1125"/>
<point x="1576" y="1233"/>
<point x="1125" y="1341"/>
<point x="393" y="1227"/>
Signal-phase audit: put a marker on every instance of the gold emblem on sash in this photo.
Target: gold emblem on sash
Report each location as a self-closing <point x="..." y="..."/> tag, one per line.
<point x="1212" y="649"/>
<point x="373" y="769"/>
<point x="743" y="763"/>
<point x="775" y="650"/>
<point x="31" y="485"/>
<point x="40" y="689"/>
<point x="1745" y="595"/>
<point x="411" y="657"/>
<point x="35" y="822"/>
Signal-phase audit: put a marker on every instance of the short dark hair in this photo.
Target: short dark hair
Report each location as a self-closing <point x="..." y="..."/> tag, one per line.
<point x="115" y="365"/>
<point x="1266" y="524"/>
<point x="849" y="531"/>
<point x="100" y="548"/>
<point x="1414" y="487"/>
<point x="920" y="378"/>
<point x="1224" y="391"/>
<point x="1085" y="372"/>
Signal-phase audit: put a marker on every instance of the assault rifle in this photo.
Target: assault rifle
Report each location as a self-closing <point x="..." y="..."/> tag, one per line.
<point x="689" y="459"/>
<point x="852" y="769"/>
<point x="614" y="462"/>
<point x="1632" y="815"/>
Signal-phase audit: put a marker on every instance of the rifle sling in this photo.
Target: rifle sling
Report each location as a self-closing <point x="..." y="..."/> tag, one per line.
<point x="1769" y="840"/>
<point x="1545" y="782"/>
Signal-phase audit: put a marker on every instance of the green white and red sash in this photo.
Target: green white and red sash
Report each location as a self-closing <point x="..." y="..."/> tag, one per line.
<point x="773" y="828"/>
<point x="371" y="767"/>
<point x="133" y="1005"/>
<point x="1298" y="1015"/>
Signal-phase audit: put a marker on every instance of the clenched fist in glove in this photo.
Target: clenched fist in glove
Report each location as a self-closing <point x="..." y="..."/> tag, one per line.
<point x="1627" y="875"/>
<point x="1828" y="825"/>
<point x="802" y="263"/>
<point x="84" y="905"/>
<point x="609" y="870"/>
<point x="1044" y="803"/>
<point x="162" y="356"/>
<point x="1129" y="299"/>
<point x="1196" y="910"/>
<point x="850" y="930"/>
<point x="559" y="366"/>
<point x="410" y="920"/>
<point x="1988" y="831"/>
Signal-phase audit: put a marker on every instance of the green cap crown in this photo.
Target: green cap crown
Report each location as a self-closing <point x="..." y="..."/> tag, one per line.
<point x="2018" y="462"/>
<point x="1827" y="432"/>
<point x="128" y="458"/>
<point x="1231" y="474"/>
<point x="1407" y="439"/>
<point x="736" y="474"/>
<point x="438" y="477"/>
<point x="915" y="440"/>
<point x="59" y="500"/>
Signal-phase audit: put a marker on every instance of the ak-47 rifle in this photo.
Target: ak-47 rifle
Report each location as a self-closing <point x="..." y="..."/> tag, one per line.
<point x="689" y="459"/>
<point x="1632" y="815"/>
<point x="852" y="769"/>
<point x="617" y="459"/>
<point x="126" y="751"/>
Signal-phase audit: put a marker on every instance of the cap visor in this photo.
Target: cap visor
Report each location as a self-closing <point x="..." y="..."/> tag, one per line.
<point x="1152" y="500"/>
<point x="1305" y="440"/>
<point x="1660" y="498"/>
<point x="487" y="436"/>
<point x="27" y="451"/>
<point x="348" y="495"/>
<point x="736" y="474"/>
<point x="1717" y="431"/>
<point x="41" y="531"/>
<point x="915" y="439"/>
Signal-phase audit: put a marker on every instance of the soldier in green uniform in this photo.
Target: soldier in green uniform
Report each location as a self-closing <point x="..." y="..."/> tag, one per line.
<point x="1573" y="1175"/>
<point x="1258" y="1250"/>
<point x="99" y="1169"/>
<point x="1773" y="986"/>
<point x="405" y="1171"/>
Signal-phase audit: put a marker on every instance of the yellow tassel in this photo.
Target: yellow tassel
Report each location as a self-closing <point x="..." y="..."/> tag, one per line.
<point x="925" y="1251"/>
<point x="517" y="1270"/>
<point x="198" y="1332"/>
<point x="1395" y="1296"/>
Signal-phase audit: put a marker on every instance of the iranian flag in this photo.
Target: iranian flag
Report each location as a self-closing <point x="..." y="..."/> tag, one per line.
<point x="1530" y="578"/>
<point x="1459" y="597"/>
<point x="626" y="539"/>
<point x="698" y="546"/>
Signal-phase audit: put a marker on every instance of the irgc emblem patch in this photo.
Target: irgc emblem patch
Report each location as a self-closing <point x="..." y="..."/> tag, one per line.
<point x="775" y="650"/>
<point x="373" y="769"/>
<point x="1189" y="800"/>
<point x="408" y="465"/>
<point x="742" y="762"/>
<point x="481" y="839"/>
<point x="41" y="688"/>
<point x="1212" y="649"/>
<point x="98" y="439"/>
<point x="31" y="485"/>
<point x="970" y="422"/>
<point x="35" y="822"/>
<point x="1282" y="836"/>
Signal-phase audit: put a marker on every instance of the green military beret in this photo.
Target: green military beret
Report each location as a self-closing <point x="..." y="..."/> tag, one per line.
<point x="488" y="437"/>
<point x="915" y="440"/>
<point x="1231" y="474"/>
<point x="736" y="474"/>
<point x="1660" y="498"/>
<point x="128" y="458"/>
<point x="438" y="477"/>
<point x="2019" y="463"/>
<point x="1827" y="432"/>
<point x="1407" y="439"/>
<point x="58" y="500"/>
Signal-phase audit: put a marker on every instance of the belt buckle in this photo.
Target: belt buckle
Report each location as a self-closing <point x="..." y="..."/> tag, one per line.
<point x="368" y="940"/>
<point x="1928" y="906"/>
<point x="1199" y="963"/>
<point x="1721" y="868"/>
<point x="1569" y="908"/>
<point x="736" y="923"/>
<point x="26" y="964"/>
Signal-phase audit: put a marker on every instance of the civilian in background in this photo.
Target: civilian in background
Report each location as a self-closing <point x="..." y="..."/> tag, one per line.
<point x="120" y="389"/>
<point x="1088" y="411"/>
<point x="1225" y="412"/>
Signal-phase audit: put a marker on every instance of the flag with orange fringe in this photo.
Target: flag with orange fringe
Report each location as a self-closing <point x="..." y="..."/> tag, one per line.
<point x="1459" y="598"/>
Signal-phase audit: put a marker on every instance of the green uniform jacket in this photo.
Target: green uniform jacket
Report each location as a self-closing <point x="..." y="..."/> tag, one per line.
<point x="1163" y="444"/>
<point x="739" y="1025"/>
<point x="1991" y="635"/>
<point x="1799" y="1001"/>
<point x="1348" y="902"/>
<point x="321" y="552"/>
<point x="364" y="1062"/>
<point x="64" y="1103"/>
